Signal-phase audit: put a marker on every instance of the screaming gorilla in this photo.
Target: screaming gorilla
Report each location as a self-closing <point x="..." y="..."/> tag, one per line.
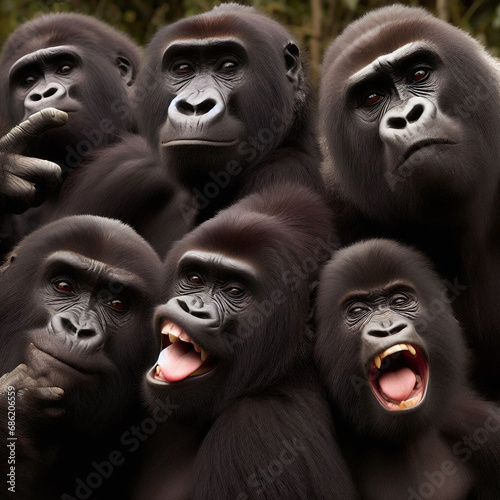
<point x="235" y="358"/>
<point x="76" y="299"/>
<point x="223" y="96"/>
<point x="393" y="359"/>
<point x="65" y="82"/>
<point x="410" y="106"/>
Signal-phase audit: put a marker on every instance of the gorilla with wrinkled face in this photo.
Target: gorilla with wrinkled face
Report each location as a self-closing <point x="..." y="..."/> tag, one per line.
<point x="394" y="363"/>
<point x="224" y="98"/>
<point x="65" y="83"/>
<point x="76" y="301"/>
<point x="410" y="106"/>
<point x="235" y="358"/>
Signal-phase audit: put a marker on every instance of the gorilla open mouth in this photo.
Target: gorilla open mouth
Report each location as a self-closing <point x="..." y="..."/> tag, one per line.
<point x="180" y="357"/>
<point x="399" y="377"/>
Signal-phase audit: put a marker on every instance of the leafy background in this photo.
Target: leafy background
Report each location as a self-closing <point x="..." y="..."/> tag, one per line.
<point x="314" y="22"/>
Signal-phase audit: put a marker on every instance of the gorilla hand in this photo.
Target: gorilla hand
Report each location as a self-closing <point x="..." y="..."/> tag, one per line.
<point x="33" y="394"/>
<point x="25" y="181"/>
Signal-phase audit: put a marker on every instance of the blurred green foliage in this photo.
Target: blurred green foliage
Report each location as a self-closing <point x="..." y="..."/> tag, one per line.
<point x="314" y="22"/>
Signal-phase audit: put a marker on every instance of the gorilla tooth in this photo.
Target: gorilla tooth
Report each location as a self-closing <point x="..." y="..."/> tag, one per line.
<point x="204" y="355"/>
<point x="173" y="338"/>
<point x="411" y="349"/>
<point x="158" y="370"/>
<point x="378" y="361"/>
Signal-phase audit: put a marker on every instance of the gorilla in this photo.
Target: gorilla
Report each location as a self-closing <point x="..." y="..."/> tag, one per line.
<point x="71" y="75"/>
<point x="394" y="362"/>
<point x="225" y="105"/>
<point x="410" y="107"/>
<point x="250" y="418"/>
<point x="77" y="298"/>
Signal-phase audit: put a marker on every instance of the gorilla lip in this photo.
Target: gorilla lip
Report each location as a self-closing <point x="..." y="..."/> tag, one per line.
<point x="199" y="142"/>
<point x="417" y="146"/>
<point x="180" y="357"/>
<point x="399" y="377"/>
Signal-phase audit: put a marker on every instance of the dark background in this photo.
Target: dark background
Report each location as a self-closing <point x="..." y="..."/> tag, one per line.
<point x="314" y="22"/>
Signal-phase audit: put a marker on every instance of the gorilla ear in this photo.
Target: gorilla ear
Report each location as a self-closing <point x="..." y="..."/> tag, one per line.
<point x="8" y="261"/>
<point x="292" y="62"/>
<point x="126" y="71"/>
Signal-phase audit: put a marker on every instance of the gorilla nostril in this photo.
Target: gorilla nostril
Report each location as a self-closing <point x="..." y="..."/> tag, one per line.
<point x="205" y="106"/>
<point x="68" y="325"/>
<point x="35" y="97"/>
<point x="397" y="328"/>
<point x="86" y="332"/>
<point x="415" y="113"/>
<point x="201" y="314"/>
<point x="185" y="108"/>
<point x="378" y="333"/>
<point x="183" y="305"/>
<point x="396" y="122"/>
<point x="49" y="92"/>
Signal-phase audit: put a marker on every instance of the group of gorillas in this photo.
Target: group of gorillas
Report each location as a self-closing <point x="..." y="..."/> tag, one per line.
<point x="211" y="291"/>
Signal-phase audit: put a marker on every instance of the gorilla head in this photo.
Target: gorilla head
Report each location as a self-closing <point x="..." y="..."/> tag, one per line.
<point x="389" y="348"/>
<point x="76" y="64"/>
<point x="222" y="91"/>
<point x="76" y="298"/>
<point x="409" y="110"/>
<point x="239" y="289"/>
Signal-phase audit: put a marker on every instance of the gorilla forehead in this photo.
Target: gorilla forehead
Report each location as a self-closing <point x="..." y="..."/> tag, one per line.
<point x="81" y="30"/>
<point x="375" y="264"/>
<point x="387" y="29"/>
<point x="100" y="239"/>
<point x="225" y="21"/>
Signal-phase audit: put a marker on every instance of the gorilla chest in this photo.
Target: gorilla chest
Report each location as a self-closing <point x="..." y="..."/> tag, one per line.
<point x="426" y="469"/>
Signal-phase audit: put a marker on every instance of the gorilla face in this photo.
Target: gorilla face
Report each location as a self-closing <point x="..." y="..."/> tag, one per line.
<point x="399" y="118"/>
<point x="76" y="64"/>
<point x="230" y="89"/>
<point x="77" y="298"/>
<point x="236" y="318"/>
<point x="388" y="345"/>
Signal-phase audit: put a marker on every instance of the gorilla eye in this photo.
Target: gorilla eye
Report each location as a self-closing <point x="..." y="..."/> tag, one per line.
<point x="400" y="300"/>
<point x="65" y="69"/>
<point x="228" y="66"/>
<point x="420" y="75"/>
<point x="30" y="80"/>
<point x="357" y="309"/>
<point x="63" y="286"/>
<point x="235" y="291"/>
<point x="194" y="279"/>
<point x="372" y="99"/>
<point x="183" y="69"/>
<point x="118" y="305"/>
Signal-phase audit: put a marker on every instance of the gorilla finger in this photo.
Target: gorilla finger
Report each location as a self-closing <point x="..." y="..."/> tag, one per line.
<point x="44" y="174"/>
<point x="15" y="377"/>
<point x="47" y="393"/>
<point x="17" y="195"/>
<point x="34" y="170"/>
<point x="24" y="133"/>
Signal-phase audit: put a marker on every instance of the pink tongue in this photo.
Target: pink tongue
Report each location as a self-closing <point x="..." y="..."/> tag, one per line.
<point x="178" y="361"/>
<point x="398" y="385"/>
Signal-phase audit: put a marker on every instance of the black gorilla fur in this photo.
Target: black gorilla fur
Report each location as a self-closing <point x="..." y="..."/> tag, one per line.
<point x="78" y="73"/>
<point x="375" y="295"/>
<point x="76" y="299"/>
<point x="239" y="291"/>
<point x="410" y="109"/>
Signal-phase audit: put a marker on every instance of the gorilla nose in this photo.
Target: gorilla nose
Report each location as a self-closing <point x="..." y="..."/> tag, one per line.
<point x="44" y="96"/>
<point x="80" y="329"/>
<point x="404" y="120"/>
<point x="384" y="328"/>
<point x="196" y="108"/>
<point x="202" y="108"/>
